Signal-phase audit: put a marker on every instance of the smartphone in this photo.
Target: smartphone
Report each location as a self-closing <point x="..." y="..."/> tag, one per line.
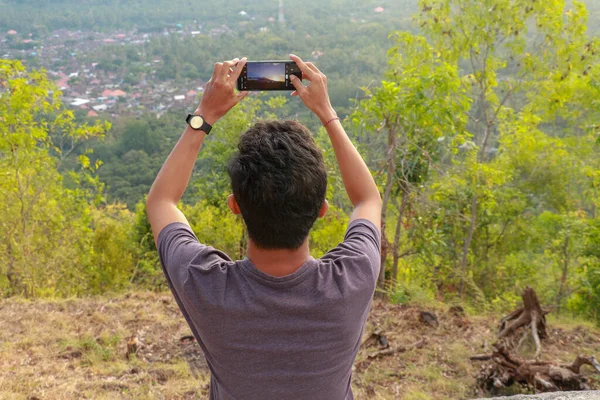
<point x="268" y="75"/>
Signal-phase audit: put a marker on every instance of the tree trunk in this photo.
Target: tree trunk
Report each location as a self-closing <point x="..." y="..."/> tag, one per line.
<point x="10" y="271"/>
<point x="396" y="248"/>
<point x="467" y="245"/>
<point x="563" y="278"/>
<point x="530" y="315"/>
<point x="480" y="159"/>
<point x="391" y="170"/>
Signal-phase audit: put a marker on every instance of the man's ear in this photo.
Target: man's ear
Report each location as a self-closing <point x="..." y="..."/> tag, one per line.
<point x="233" y="205"/>
<point x="324" y="209"/>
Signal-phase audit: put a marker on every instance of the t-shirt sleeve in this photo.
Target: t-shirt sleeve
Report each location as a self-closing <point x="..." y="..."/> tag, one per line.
<point x="178" y="247"/>
<point x="361" y="247"/>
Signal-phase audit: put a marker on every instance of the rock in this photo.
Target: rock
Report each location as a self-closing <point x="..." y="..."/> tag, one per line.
<point x="585" y="395"/>
<point x="428" y="318"/>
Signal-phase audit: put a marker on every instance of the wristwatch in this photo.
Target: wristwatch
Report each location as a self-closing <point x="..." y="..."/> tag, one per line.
<point x="197" y="123"/>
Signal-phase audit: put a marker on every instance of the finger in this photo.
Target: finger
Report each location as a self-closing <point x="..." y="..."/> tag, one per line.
<point x="227" y="66"/>
<point x="226" y="69"/>
<point x="242" y="95"/>
<point x="313" y="67"/>
<point x="238" y="70"/>
<point x="300" y="88"/>
<point x="306" y="71"/>
<point x="216" y="71"/>
<point x="294" y="93"/>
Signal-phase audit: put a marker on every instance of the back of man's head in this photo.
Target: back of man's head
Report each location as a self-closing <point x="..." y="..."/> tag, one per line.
<point x="279" y="181"/>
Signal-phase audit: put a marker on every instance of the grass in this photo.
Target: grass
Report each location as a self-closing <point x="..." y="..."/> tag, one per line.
<point x="75" y="348"/>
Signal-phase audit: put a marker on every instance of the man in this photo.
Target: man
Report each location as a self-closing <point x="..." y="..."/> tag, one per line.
<point x="278" y="324"/>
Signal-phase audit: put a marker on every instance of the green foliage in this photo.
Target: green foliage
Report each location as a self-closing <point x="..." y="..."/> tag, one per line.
<point x="148" y="273"/>
<point x="411" y="292"/>
<point x="328" y="231"/>
<point x="490" y="179"/>
<point x="132" y="153"/>
<point x="45" y="227"/>
<point x="113" y="252"/>
<point x="217" y="226"/>
<point x="94" y="350"/>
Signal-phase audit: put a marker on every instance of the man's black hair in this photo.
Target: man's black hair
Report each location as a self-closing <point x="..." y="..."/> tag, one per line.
<point x="279" y="181"/>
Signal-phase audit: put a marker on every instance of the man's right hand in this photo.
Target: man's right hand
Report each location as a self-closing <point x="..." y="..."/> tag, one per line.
<point x="314" y="96"/>
<point x="219" y="93"/>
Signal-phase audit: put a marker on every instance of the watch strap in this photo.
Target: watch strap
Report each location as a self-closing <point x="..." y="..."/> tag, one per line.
<point x="206" y="127"/>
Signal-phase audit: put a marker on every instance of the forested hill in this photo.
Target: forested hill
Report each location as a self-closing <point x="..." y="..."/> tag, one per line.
<point x="148" y="15"/>
<point x="109" y="15"/>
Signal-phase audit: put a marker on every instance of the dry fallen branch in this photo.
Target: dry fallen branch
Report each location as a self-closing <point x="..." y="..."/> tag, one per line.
<point x="377" y="337"/>
<point x="543" y="376"/>
<point x="580" y="361"/>
<point x="399" y="349"/>
<point x="481" y="357"/>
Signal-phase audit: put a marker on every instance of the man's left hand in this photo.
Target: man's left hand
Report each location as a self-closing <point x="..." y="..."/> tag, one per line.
<point x="220" y="95"/>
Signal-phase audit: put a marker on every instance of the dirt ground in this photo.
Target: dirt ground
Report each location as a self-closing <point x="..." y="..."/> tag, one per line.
<point x="76" y="349"/>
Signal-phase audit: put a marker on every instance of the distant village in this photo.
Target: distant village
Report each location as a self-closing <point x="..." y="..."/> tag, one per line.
<point x="66" y="56"/>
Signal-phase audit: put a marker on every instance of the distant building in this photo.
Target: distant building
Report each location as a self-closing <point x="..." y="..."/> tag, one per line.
<point x="113" y="93"/>
<point x="100" y="107"/>
<point x="92" y="113"/>
<point x="379" y="10"/>
<point x="179" y="97"/>
<point x="12" y="32"/>
<point x="79" y="102"/>
<point x="62" y="83"/>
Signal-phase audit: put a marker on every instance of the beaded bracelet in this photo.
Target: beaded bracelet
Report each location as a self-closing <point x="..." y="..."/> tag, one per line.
<point x="331" y="120"/>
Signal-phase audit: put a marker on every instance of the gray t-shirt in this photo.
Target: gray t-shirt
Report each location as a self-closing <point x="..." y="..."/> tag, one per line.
<point x="265" y="337"/>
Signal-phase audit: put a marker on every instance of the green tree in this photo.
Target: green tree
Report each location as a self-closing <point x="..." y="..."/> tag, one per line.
<point x="514" y="54"/>
<point x="419" y="113"/>
<point x="44" y="225"/>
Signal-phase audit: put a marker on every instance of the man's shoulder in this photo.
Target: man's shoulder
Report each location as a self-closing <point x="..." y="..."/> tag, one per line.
<point x="358" y="256"/>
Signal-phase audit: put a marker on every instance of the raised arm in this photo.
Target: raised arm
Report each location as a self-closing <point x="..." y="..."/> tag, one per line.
<point x="359" y="182"/>
<point x="170" y="184"/>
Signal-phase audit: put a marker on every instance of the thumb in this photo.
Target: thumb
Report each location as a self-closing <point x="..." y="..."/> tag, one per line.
<point x="241" y="95"/>
<point x="300" y="88"/>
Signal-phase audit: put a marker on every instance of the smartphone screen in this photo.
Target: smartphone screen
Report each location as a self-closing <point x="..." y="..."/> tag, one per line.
<point x="268" y="75"/>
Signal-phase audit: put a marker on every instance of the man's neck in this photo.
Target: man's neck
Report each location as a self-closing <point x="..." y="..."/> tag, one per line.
<point x="278" y="262"/>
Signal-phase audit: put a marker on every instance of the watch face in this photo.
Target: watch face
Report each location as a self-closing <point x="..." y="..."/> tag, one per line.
<point x="196" y="122"/>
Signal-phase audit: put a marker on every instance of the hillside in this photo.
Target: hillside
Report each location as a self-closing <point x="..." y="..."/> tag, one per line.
<point x="75" y="348"/>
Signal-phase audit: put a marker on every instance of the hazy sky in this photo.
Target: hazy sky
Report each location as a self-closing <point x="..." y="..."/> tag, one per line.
<point x="274" y="72"/>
